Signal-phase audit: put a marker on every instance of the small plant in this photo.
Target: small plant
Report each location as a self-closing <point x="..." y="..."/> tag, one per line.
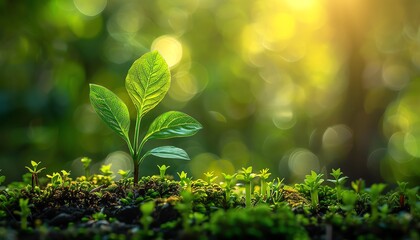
<point x="274" y="189"/>
<point x="374" y="192"/>
<point x="312" y="183"/>
<point x="228" y="184"/>
<point x="162" y="170"/>
<point x="412" y="195"/>
<point x="106" y="170"/>
<point x="124" y="174"/>
<point x="34" y="172"/>
<point x="66" y="177"/>
<point x="210" y="178"/>
<point x="184" y="180"/>
<point x="185" y="208"/>
<point x="338" y="181"/>
<point x="146" y="219"/>
<point x="56" y="179"/>
<point x="349" y="200"/>
<point x="99" y="216"/>
<point x="358" y="185"/>
<point x="86" y="165"/>
<point x="264" y="175"/>
<point x="247" y="176"/>
<point x="147" y="83"/>
<point x="24" y="213"/>
<point x="402" y="191"/>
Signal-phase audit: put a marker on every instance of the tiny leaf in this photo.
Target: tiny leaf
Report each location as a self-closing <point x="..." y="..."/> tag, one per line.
<point x="148" y="81"/>
<point x="111" y="109"/>
<point x="169" y="152"/>
<point x="172" y="124"/>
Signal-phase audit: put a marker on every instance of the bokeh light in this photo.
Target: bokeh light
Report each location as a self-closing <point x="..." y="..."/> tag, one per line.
<point x="170" y="48"/>
<point x="293" y="86"/>
<point x="90" y="8"/>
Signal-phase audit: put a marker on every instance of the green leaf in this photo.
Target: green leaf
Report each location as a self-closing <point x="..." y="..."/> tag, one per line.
<point x="169" y="152"/>
<point x="172" y="124"/>
<point x="111" y="109"/>
<point x="148" y="81"/>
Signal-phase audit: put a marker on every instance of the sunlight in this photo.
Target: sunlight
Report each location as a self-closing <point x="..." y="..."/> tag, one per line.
<point x="170" y="48"/>
<point x="301" y="4"/>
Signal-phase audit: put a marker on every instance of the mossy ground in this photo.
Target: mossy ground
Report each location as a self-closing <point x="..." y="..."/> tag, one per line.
<point x="100" y="208"/>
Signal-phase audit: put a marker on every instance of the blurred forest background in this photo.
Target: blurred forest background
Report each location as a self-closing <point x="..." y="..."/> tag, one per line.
<point x="292" y="85"/>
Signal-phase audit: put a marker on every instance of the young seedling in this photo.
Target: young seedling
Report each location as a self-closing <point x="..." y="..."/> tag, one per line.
<point x="34" y="172"/>
<point x="147" y="83"/>
<point x="374" y="192"/>
<point x="274" y="189"/>
<point x="312" y="183"/>
<point x="210" y="178"/>
<point x="124" y="174"/>
<point x="56" y="179"/>
<point x="106" y="170"/>
<point x="24" y="213"/>
<point x="66" y="177"/>
<point x="247" y="176"/>
<point x="358" y="185"/>
<point x="264" y="175"/>
<point x="338" y="181"/>
<point x="229" y="182"/>
<point x="162" y="171"/>
<point x="184" y="180"/>
<point x="402" y="190"/>
<point x="86" y="165"/>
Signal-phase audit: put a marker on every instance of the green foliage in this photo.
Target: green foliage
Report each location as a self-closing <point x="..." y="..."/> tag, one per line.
<point x="264" y="175"/>
<point x="146" y="219"/>
<point x="247" y="176"/>
<point x="106" y="170"/>
<point x="185" y="208"/>
<point x="162" y="170"/>
<point x="34" y="172"/>
<point x="338" y="181"/>
<point x="56" y="179"/>
<point x="86" y="165"/>
<point x="215" y="210"/>
<point x="260" y="222"/>
<point x="34" y="169"/>
<point x="24" y="213"/>
<point x="112" y="110"/>
<point x="227" y="185"/>
<point x="375" y="191"/>
<point x="349" y="199"/>
<point x="210" y="178"/>
<point x="312" y="183"/>
<point x="413" y="200"/>
<point x="184" y="180"/>
<point x="275" y="189"/>
<point x="99" y="216"/>
<point x="358" y="185"/>
<point x="147" y="83"/>
<point x="124" y="174"/>
<point x="172" y="124"/>
<point x="166" y="152"/>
